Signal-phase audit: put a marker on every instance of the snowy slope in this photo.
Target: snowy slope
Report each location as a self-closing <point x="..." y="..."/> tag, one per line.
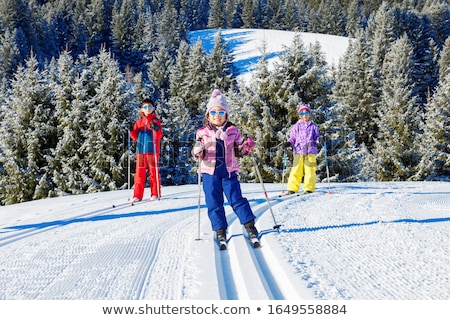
<point x="246" y="44"/>
<point x="362" y="241"/>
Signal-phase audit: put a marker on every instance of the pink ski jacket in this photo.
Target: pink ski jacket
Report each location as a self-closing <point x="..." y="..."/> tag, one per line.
<point x="205" y="147"/>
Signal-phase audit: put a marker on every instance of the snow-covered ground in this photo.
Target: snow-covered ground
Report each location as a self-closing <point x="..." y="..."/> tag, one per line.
<point x="362" y="241"/>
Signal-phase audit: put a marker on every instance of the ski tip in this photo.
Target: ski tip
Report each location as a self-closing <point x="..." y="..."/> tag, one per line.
<point x="255" y="242"/>
<point x="222" y="245"/>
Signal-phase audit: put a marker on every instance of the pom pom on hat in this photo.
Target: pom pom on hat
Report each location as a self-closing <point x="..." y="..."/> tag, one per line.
<point x="303" y="106"/>
<point x="217" y="100"/>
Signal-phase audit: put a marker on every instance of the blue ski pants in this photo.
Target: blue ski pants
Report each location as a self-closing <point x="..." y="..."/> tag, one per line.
<point x="215" y="186"/>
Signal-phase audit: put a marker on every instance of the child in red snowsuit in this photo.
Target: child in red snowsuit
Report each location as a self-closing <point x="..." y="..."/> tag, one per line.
<point x="147" y="131"/>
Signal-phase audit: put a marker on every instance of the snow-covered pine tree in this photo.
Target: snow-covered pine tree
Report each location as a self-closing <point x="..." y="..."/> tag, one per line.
<point x="69" y="119"/>
<point x="196" y="85"/>
<point x="220" y="64"/>
<point x="352" y="116"/>
<point x="247" y="15"/>
<point x="332" y="12"/>
<point x="179" y="123"/>
<point x="159" y="72"/>
<point x="354" y="19"/>
<point x="27" y="136"/>
<point x="380" y="34"/>
<point x="146" y="40"/>
<point x="424" y="71"/>
<point x="170" y="30"/>
<point x="433" y="144"/>
<point x="123" y="24"/>
<point x="9" y="55"/>
<point x="258" y="118"/>
<point x="104" y="139"/>
<point x="216" y="18"/>
<point x="395" y="155"/>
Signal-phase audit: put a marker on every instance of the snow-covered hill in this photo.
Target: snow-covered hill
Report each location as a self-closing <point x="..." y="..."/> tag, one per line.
<point x="246" y="45"/>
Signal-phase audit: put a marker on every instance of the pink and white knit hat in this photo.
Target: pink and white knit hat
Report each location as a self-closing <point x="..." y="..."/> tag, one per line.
<point x="217" y="100"/>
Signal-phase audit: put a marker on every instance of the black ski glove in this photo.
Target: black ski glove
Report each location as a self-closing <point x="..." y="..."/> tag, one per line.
<point x="287" y="144"/>
<point x="155" y="126"/>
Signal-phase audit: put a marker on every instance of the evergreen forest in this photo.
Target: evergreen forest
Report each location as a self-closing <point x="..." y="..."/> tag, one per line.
<point x="73" y="73"/>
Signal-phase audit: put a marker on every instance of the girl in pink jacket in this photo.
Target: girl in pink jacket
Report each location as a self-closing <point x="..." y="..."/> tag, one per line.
<point x="218" y="144"/>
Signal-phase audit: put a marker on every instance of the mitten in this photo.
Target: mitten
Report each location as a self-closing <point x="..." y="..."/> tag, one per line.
<point x="155" y="126"/>
<point x="287" y="144"/>
<point x="247" y="146"/>
<point x="197" y="151"/>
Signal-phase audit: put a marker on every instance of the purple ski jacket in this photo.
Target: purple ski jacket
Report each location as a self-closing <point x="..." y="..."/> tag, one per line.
<point x="205" y="147"/>
<point x="304" y="137"/>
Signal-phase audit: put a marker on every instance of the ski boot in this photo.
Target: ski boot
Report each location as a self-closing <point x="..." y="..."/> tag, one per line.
<point x="252" y="233"/>
<point x="221" y="236"/>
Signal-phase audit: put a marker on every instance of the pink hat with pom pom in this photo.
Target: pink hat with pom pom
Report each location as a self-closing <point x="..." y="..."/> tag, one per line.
<point x="217" y="100"/>
<point x="303" y="106"/>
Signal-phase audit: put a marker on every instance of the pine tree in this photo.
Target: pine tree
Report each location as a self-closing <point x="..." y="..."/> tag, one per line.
<point x="220" y="64"/>
<point x="247" y="15"/>
<point x="354" y="19"/>
<point x="159" y="73"/>
<point x="196" y="85"/>
<point x="398" y="117"/>
<point x="28" y="136"/>
<point x="72" y="100"/>
<point x="331" y="12"/>
<point x="352" y="115"/>
<point x="258" y="118"/>
<point x="106" y="119"/>
<point x="434" y="142"/>
<point x="216" y="15"/>
<point x="9" y="56"/>
<point x="438" y="14"/>
<point x="169" y="29"/>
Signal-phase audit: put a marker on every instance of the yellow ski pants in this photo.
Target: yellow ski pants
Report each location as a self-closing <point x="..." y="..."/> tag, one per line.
<point x="303" y="165"/>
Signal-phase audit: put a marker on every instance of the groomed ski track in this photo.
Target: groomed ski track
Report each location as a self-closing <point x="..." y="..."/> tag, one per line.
<point x="246" y="273"/>
<point x="152" y="250"/>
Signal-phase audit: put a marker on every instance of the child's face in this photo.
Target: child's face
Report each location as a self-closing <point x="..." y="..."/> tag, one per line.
<point x="217" y="116"/>
<point x="147" y="108"/>
<point x="304" y="115"/>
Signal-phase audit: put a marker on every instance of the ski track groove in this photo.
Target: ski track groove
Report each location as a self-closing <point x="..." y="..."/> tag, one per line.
<point x="254" y="272"/>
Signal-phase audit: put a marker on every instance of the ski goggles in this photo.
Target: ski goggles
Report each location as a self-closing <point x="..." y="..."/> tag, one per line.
<point x="221" y="113"/>
<point x="304" y="113"/>
<point x="147" y="107"/>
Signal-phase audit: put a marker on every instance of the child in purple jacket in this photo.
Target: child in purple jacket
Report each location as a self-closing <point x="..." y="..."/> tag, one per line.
<point x="218" y="144"/>
<point x="304" y="137"/>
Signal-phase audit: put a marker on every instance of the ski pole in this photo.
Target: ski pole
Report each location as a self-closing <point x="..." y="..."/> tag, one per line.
<point x="158" y="186"/>
<point x="199" y="178"/>
<point x="326" y="162"/>
<point x="129" y="155"/>
<point x="276" y="226"/>
<point x="284" y="168"/>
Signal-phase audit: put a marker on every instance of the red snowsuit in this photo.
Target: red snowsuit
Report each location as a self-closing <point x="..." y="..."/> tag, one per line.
<point x="147" y="131"/>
